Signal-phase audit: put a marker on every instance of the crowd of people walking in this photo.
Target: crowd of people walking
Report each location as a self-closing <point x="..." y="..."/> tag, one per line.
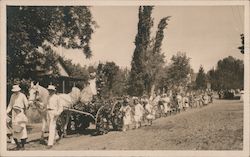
<point x="146" y="109"/>
<point x="135" y="111"/>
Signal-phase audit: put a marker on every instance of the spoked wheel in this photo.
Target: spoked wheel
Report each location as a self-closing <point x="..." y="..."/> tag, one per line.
<point x="102" y="120"/>
<point x="116" y="117"/>
<point x="60" y="125"/>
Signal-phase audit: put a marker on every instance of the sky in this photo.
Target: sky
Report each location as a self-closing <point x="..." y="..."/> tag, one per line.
<point x="205" y="33"/>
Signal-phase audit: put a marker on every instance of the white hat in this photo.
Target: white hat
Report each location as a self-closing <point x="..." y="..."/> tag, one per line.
<point x="92" y="74"/>
<point x="51" y="87"/>
<point x="16" y="88"/>
<point x="135" y="98"/>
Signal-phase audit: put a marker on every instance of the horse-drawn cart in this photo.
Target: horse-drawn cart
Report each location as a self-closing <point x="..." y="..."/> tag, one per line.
<point x="105" y="115"/>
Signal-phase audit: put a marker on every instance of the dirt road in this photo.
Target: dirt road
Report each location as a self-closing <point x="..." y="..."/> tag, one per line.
<point x="218" y="126"/>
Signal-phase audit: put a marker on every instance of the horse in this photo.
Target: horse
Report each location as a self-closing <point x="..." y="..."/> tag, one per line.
<point x="39" y="96"/>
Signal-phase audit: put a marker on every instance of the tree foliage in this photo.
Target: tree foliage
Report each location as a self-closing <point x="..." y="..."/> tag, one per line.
<point x="32" y="32"/>
<point x="179" y="70"/>
<point x="155" y="63"/>
<point x="148" y="59"/>
<point x="111" y="80"/>
<point x="142" y="42"/>
<point x="229" y="74"/>
<point x="201" y="79"/>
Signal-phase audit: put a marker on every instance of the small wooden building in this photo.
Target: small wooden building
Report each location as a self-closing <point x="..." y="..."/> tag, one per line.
<point x="63" y="82"/>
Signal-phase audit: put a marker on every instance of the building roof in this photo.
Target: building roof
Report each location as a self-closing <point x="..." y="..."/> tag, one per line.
<point x="63" y="71"/>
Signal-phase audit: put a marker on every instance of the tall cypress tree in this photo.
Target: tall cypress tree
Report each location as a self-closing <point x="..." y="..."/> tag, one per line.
<point x="156" y="57"/>
<point x="142" y="41"/>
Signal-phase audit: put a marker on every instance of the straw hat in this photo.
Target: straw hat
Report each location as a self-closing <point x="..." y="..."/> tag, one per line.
<point x="51" y="87"/>
<point x="16" y="88"/>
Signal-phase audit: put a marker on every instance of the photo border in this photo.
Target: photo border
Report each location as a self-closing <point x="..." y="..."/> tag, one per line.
<point x="3" y="149"/>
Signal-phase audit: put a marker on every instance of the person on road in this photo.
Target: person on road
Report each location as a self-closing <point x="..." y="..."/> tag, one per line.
<point x="149" y="112"/>
<point x="179" y="102"/>
<point x="126" y="112"/>
<point x="54" y="110"/>
<point x="205" y="99"/>
<point x="138" y="113"/>
<point x="17" y="99"/>
<point x="185" y="102"/>
<point x="19" y="127"/>
<point x="166" y="103"/>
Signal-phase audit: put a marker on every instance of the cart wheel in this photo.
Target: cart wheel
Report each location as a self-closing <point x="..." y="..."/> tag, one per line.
<point x="116" y="118"/>
<point x="102" y="120"/>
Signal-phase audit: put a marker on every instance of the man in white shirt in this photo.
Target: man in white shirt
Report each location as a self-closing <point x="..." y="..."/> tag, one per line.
<point x="17" y="99"/>
<point x="54" y="110"/>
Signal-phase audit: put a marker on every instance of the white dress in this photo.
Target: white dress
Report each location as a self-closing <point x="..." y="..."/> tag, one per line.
<point x="149" y="110"/>
<point x="20" y="120"/>
<point x="179" y="100"/>
<point x="127" y="119"/>
<point x="19" y="100"/>
<point x="166" y="103"/>
<point x="185" y="102"/>
<point x="206" y="98"/>
<point x="138" y="112"/>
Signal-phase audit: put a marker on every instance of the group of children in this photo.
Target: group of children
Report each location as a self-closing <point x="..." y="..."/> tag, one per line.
<point x="146" y="109"/>
<point x="140" y="110"/>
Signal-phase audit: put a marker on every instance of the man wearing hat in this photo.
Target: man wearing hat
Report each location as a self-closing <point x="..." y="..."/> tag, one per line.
<point x="17" y="99"/>
<point x="54" y="110"/>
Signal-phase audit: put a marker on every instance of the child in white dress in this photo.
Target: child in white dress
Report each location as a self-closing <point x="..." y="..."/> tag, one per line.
<point x="138" y="113"/>
<point x="126" y="112"/>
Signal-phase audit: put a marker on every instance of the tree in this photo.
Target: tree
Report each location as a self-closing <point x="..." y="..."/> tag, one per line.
<point x="229" y="74"/>
<point x="142" y="41"/>
<point x="242" y="43"/>
<point x="201" y="79"/>
<point x="32" y="32"/>
<point x="178" y="70"/>
<point x="156" y="57"/>
<point x="106" y="75"/>
<point x="119" y="87"/>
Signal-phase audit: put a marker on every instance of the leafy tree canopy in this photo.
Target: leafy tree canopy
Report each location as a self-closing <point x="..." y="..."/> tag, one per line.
<point x="32" y="32"/>
<point x="179" y="70"/>
<point x="111" y="80"/>
<point x="229" y="74"/>
<point x="201" y="79"/>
